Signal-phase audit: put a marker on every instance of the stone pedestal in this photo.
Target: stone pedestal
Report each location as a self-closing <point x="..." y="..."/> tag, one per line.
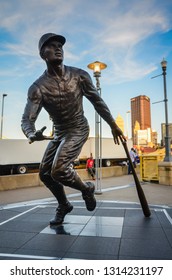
<point x="165" y="173"/>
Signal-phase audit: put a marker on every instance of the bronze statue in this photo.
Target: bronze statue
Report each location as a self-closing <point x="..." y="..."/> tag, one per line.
<point x="60" y="92"/>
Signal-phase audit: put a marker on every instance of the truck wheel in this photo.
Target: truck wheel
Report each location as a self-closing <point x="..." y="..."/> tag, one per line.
<point x="108" y="163"/>
<point x="22" y="169"/>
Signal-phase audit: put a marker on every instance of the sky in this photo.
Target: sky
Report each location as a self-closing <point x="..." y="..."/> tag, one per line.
<point x="131" y="37"/>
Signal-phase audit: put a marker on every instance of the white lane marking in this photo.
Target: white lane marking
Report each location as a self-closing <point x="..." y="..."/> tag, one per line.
<point x="45" y="201"/>
<point x="23" y="213"/>
<point x="28" y="256"/>
<point x="167" y="216"/>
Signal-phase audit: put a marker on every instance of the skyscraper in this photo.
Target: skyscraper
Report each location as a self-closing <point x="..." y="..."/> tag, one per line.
<point x="140" y="113"/>
<point x="120" y="122"/>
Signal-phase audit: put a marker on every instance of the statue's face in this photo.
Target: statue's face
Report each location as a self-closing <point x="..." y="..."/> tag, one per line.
<point x="53" y="51"/>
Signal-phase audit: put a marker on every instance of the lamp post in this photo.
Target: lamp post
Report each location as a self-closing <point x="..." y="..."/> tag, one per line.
<point x="97" y="66"/>
<point x="168" y="156"/>
<point x="2" y="114"/>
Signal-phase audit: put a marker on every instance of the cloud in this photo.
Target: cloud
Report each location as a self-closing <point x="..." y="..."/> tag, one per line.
<point x="111" y="31"/>
<point x="124" y="33"/>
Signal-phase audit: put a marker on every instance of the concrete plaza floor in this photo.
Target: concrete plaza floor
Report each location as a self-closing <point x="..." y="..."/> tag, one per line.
<point x="116" y="230"/>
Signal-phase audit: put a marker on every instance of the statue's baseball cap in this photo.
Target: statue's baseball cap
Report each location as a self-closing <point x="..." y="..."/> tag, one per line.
<point x="49" y="36"/>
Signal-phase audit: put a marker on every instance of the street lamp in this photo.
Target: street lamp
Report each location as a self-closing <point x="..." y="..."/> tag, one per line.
<point x="168" y="156"/>
<point x="97" y="66"/>
<point x="2" y="114"/>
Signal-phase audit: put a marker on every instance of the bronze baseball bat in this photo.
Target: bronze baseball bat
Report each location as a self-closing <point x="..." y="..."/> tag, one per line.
<point x="139" y="189"/>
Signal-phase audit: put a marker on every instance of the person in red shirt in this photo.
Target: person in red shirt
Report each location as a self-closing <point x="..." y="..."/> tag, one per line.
<point x="90" y="167"/>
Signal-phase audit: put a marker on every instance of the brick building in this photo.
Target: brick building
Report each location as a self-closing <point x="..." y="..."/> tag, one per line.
<point x="140" y="114"/>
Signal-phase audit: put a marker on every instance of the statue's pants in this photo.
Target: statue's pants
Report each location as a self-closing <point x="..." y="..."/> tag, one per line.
<point x="56" y="168"/>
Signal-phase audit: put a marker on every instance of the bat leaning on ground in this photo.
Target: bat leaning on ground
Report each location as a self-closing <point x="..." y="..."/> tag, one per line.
<point x="140" y="192"/>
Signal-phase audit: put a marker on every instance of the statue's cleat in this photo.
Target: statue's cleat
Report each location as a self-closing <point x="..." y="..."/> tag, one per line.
<point x="61" y="212"/>
<point x="88" y="196"/>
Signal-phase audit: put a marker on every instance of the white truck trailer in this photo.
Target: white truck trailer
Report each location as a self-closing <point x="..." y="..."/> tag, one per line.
<point x="111" y="154"/>
<point x="18" y="156"/>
